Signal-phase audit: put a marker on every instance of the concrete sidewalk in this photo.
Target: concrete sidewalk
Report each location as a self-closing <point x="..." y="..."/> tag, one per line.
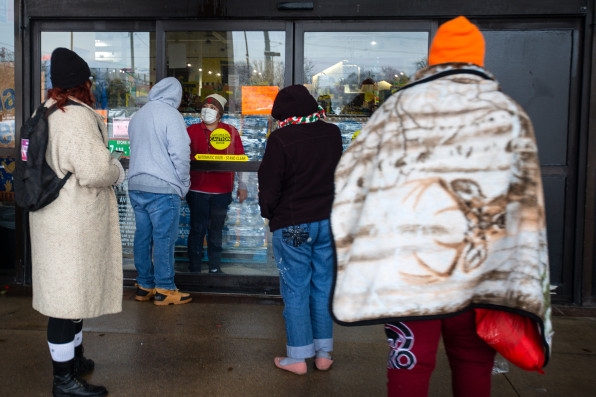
<point x="224" y="346"/>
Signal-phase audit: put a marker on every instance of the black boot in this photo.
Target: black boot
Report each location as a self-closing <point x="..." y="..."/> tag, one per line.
<point x="68" y="384"/>
<point x="82" y="364"/>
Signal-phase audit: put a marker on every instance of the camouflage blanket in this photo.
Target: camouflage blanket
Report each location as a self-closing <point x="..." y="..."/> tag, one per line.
<point x="439" y="207"/>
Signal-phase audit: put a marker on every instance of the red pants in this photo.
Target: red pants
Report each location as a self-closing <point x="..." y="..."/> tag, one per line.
<point x="413" y="352"/>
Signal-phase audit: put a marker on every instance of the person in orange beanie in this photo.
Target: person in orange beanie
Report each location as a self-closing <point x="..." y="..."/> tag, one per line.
<point x="457" y="40"/>
<point x="439" y="211"/>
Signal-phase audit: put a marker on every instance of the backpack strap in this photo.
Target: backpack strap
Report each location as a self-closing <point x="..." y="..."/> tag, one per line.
<point x="48" y="112"/>
<point x="69" y="101"/>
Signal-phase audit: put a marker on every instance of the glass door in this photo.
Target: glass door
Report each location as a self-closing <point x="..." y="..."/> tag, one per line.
<point x="122" y="65"/>
<point x="352" y="68"/>
<point x="247" y="65"/>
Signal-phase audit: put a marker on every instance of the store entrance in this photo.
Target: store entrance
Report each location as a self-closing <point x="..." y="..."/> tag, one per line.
<point x="243" y="70"/>
<point x="349" y="68"/>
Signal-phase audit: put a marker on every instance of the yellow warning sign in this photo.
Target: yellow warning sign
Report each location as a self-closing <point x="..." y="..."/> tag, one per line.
<point x="220" y="139"/>
<point x="221" y="157"/>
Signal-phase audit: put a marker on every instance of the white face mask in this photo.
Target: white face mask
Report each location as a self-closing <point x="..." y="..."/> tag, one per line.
<point x="209" y="115"/>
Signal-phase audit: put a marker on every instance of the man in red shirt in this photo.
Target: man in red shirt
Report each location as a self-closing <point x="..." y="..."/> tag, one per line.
<point x="210" y="192"/>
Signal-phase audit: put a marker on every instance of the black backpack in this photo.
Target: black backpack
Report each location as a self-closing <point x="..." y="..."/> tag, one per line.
<point x="35" y="183"/>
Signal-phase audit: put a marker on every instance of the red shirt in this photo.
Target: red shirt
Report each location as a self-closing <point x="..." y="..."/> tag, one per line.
<point x="204" y="141"/>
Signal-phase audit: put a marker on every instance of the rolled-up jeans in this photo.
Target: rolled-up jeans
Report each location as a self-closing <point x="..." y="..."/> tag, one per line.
<point x="304" y="257"/>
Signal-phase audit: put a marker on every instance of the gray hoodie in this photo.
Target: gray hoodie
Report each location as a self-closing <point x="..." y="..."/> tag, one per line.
<point x="159" y="143"/>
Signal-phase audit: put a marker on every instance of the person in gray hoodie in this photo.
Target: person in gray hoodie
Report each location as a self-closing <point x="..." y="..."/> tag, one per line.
<point x="158" y="178"/>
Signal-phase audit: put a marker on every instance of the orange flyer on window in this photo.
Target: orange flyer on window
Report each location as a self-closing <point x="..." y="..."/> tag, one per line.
<point x="104" y="115"/>
<point x="258" y="99"/>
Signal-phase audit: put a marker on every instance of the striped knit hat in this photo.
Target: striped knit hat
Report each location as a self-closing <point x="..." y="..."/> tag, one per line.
<point x="218" y="101"/>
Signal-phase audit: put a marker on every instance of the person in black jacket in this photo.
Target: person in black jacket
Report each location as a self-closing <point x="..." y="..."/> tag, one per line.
<point x="295" y="194"/>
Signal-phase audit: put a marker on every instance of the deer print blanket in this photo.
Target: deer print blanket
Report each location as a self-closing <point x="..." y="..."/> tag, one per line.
<point x="439" y="206"/>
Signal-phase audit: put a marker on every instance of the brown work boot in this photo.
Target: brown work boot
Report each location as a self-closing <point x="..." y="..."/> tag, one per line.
<point x="164" y="297"/>
<point x="144" y="294"/>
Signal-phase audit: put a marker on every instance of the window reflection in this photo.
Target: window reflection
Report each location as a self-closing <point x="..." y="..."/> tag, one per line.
<point x="8" y="103"/>
<point x="225" y="63"/>
<point x="7" y="98"/>
<point x="122" y="63"/>
<point x="352" y="73"/>
<point x="123" y="69"/>
<point x="7" y="82"/>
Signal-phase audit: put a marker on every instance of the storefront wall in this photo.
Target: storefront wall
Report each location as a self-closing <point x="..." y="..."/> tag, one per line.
<point x="540" y="51"/>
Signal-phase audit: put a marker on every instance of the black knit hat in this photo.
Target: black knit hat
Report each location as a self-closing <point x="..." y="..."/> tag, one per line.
<point x="293" y="101"/>
<point x="67" y="69"/>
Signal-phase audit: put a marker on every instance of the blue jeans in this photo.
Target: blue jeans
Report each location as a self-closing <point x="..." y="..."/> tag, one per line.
<point x="304" y="257"/>
<point x="207" y="217"/>
<point x="156" y="217"/>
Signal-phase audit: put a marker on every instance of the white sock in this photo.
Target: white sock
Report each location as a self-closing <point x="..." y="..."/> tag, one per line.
<point x="62" y="352"/>
<point x="78" y="340"/>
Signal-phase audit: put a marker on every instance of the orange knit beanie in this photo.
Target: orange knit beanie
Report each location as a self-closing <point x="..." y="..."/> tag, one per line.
<point x="457" y="40"/>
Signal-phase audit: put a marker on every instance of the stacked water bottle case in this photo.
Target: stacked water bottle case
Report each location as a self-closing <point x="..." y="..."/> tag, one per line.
<point x="246" y="235"/>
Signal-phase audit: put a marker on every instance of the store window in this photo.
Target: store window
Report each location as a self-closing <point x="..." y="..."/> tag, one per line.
<point x="7" y="82"/>
<point x="352" y="73"/>
<point x="7" y="137"/>
<point x="121" y="63"/>
<point x="123" y="69"/>
<point x="247" y="68"/>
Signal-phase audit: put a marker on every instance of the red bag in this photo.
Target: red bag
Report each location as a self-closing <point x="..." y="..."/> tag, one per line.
<point x="514" y="336"/>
